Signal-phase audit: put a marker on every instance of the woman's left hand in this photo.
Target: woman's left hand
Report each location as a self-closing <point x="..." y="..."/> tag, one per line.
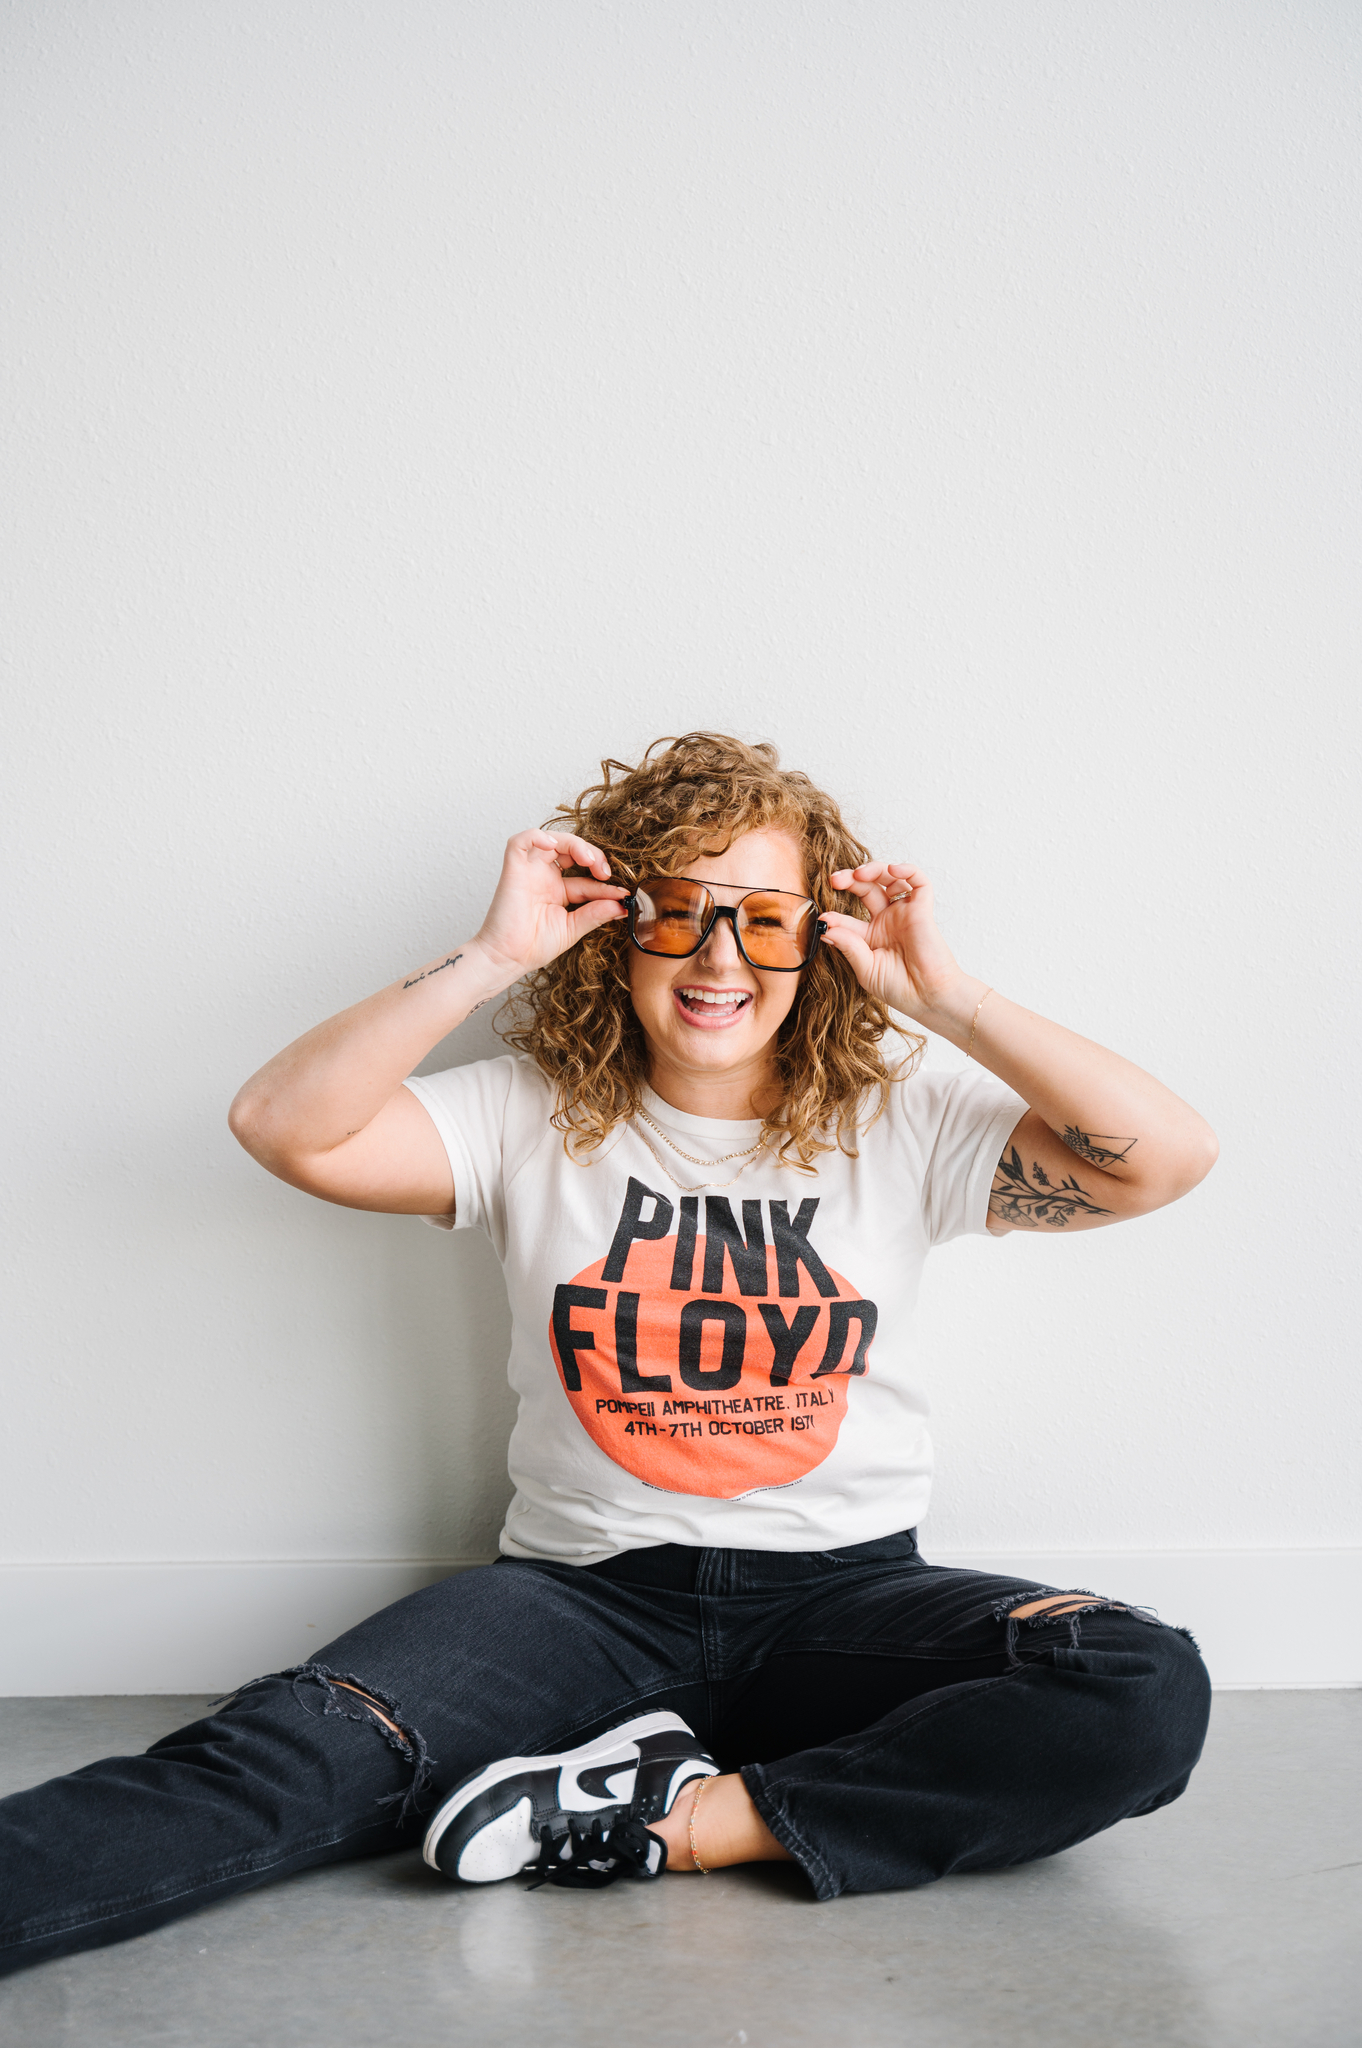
<point x="900" y="956"/>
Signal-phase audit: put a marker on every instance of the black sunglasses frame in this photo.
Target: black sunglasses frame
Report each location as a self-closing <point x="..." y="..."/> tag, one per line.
<point x="730" y="911"/>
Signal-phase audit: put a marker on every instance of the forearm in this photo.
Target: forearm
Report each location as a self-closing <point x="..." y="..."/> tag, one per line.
<point x="330" y="1083"/>
<point x="1109" y="1112"/>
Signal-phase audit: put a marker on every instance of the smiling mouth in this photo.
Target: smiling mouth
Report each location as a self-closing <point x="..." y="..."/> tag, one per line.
<point x="713" y="1005"/>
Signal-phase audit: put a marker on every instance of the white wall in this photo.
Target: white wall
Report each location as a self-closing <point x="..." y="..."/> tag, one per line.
<point x="413" y="405"/>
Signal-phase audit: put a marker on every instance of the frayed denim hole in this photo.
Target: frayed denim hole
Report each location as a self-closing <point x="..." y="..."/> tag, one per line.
<point x="406" y="1740"/>
<point x="1093" y="1603"/>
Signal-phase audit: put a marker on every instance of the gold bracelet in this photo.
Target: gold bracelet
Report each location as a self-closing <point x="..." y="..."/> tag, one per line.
<point x="694" y="1852"/>
<point x="969" y="1049"/>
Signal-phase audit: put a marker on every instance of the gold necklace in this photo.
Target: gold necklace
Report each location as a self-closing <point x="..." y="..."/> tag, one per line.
<point x="723" y="1157"/>
<point x="695" y="1189"/>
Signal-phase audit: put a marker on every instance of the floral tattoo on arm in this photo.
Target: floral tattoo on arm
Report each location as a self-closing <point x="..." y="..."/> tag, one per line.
<point x="1092" y="1145"/>
<point x="1037" y="1203"/>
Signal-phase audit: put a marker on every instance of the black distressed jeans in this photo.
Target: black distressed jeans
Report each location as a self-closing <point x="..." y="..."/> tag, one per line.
<point x="890" y="1721"/>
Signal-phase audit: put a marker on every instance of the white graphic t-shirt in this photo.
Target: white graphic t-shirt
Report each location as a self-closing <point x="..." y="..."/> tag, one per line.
<point x="731" y="1366"/>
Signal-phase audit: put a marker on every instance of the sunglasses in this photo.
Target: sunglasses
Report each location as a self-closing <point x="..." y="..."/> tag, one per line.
<point x="773" y="929"/>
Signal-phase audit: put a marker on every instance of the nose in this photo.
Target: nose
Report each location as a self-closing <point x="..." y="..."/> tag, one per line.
<point x="720" y="950"/>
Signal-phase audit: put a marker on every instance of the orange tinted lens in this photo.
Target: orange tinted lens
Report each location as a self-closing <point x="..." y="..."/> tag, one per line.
<point x="669" y="917"/>
<point x="775" y="929"/>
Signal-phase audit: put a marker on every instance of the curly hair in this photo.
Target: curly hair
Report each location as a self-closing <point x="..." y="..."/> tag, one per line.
<point x="575" y="1018"/>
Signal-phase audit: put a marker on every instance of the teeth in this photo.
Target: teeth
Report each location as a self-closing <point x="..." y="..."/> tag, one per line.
<point x="723" y="999"/>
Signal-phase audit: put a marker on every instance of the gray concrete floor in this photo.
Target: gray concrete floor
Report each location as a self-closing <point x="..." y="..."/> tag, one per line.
<point x="1231" y="1919"/>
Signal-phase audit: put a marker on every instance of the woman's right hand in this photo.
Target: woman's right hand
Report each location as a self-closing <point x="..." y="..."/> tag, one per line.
<point x="538" y="911"/>
<point x="329" y="1113"/>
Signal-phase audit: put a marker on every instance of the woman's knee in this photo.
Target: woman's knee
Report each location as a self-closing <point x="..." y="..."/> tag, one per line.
<point x="304" y="1747"/>
<point x="1163" y="1700"/>
<point x="1140" y="1697"/>
<point x="1184" y="1697"/>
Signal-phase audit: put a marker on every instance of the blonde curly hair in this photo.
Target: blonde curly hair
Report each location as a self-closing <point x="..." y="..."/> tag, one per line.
<point x="575" y="1017"/>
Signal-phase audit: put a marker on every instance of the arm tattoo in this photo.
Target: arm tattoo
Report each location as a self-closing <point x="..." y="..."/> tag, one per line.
<point x="1032" y="1204"/>
<point x="453" y="961"/>
<point x="1092" y="1145"/>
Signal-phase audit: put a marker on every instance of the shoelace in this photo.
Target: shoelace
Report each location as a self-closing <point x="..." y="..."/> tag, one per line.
<point x="575" y="1850"/>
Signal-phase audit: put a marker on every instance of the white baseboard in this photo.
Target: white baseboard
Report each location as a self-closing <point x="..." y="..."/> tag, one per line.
<point x="1262" y="1617"/>
<point x="137" y="1628"/>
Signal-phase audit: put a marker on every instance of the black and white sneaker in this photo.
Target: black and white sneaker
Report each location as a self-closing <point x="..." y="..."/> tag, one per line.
<point x="580" y="1818"/>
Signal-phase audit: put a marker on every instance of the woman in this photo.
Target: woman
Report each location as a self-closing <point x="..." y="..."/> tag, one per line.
<point x="710" y="1638"/>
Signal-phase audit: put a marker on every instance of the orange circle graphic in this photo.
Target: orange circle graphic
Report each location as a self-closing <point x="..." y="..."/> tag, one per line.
<point x="714" y="1394"/>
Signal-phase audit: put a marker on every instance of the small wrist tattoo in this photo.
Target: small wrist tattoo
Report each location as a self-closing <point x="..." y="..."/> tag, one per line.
<point x="452" y="961"/>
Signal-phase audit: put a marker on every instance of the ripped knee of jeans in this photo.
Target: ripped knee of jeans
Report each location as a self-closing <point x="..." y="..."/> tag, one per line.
<point x="1046" y="1604"/>
<point x="353" y="1700"/>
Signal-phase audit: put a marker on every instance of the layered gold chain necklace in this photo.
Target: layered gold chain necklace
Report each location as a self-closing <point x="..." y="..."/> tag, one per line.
<point x="748" y="1153"/>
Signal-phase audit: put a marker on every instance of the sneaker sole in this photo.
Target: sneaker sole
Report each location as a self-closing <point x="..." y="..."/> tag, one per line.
<point x="598" y="1751"/>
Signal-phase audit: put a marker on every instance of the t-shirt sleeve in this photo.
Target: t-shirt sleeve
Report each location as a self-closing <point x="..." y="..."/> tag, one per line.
<point x="963" y="1121"/>
<point x="469" y="1106"/>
